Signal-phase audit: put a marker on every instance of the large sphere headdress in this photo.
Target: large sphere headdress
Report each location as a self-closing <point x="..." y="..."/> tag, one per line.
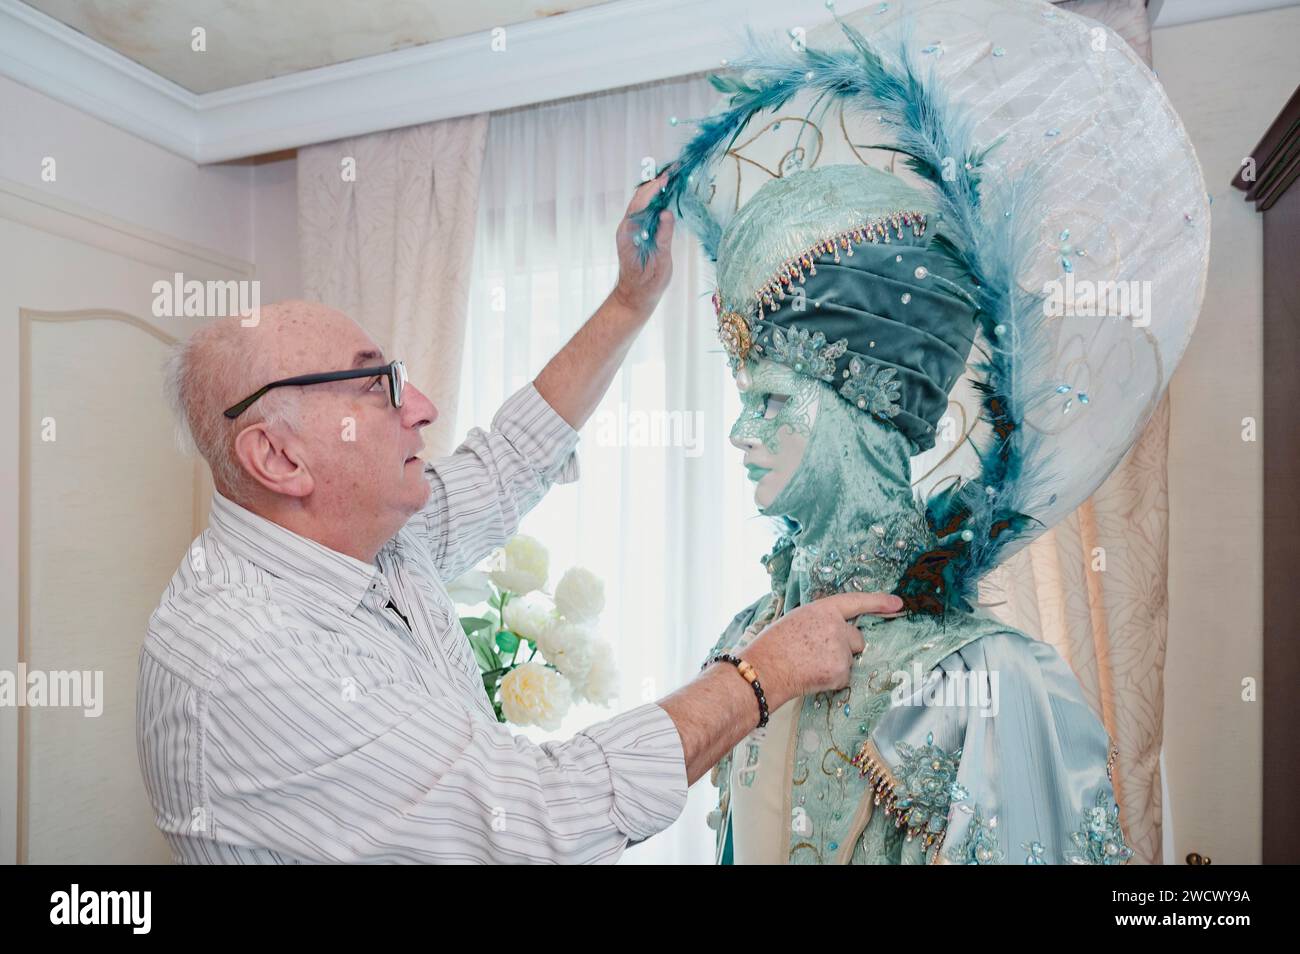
<point x="1064" y="188"/>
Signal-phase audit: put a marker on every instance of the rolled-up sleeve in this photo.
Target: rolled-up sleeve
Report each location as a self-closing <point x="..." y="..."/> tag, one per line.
<point x="325" y="756"/>
<point x="643" y="757"/>
<point x="480" y="492"/>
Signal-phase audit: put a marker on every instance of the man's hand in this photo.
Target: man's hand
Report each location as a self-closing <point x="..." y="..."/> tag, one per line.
<point x="811" y="648"/>
<point x="639" y="289"/>
<point x="574" y="381"/>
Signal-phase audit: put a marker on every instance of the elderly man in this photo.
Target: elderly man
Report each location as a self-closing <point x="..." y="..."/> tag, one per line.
<point x="306" y="692"/>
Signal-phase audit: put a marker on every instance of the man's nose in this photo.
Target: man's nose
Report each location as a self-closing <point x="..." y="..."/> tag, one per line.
<point x="417" y="410"/>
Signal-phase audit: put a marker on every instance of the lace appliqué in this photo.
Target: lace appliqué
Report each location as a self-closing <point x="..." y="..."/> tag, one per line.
<point x="918" y="792"/>
<point x="873" y="563"/>
<point x="1100" y="841"/>
<point x="981" y="845"/>
<point x="806" y="352"/>
<point x="796" y="413"/>
<point x="873" y="388"/>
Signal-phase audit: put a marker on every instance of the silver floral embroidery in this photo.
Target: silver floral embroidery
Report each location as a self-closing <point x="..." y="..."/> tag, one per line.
<point x="873" y="562"/>
<point x="981" y="846"/>
<point x="1100" y="841"/>
<point x="806" y="351"/>
<point x="927" y="777"/>
<point x="872" y="387"/>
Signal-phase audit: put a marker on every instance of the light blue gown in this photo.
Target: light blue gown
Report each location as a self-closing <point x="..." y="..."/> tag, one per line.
<point x="959" y="740"/>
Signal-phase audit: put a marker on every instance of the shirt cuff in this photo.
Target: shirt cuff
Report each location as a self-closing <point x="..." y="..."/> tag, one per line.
<point x="539" y="433"/>
<point x="647" y="769"/>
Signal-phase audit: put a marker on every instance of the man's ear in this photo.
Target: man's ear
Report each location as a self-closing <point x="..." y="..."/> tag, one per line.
<point x="275" y="459"/>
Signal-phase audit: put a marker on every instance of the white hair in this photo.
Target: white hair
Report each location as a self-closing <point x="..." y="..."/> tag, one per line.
<point x="199" y="375"/>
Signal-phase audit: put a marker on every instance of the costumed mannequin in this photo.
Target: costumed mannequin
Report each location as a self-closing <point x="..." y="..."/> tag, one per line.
<point x="863" y="311"/>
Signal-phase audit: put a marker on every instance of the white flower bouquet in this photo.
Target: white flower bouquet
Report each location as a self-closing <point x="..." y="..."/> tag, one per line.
<point x="521" y="621"/>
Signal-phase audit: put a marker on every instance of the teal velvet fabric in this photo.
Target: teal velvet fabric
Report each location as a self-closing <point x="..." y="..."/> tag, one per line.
<point x="894" y="300"/>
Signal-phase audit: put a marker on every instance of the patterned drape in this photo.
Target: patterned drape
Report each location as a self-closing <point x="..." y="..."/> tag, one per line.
<point x="386" y="232"/>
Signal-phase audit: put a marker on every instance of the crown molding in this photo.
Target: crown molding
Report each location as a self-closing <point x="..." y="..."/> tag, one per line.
<point x="596" y="48"/>
<point x="40" y="52"/>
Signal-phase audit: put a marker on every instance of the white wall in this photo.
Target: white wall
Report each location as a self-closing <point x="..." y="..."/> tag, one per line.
<point x="116" y="173"/>
<point x="245" y="210"/>
<point x="121" y="212"/>
<point x="1227" y="78"/>
<point x="275" y="228"/>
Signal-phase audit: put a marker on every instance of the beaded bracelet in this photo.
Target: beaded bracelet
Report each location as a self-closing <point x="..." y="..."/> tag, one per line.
<point x="751" y="677"/>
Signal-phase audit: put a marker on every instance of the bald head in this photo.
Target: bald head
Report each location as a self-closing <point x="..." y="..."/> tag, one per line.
<point x="226" y="360"/>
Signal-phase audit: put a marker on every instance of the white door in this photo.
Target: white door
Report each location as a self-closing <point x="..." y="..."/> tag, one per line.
<point x="98" y="507"/>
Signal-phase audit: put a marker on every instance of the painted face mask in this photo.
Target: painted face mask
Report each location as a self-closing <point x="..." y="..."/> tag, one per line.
<point x="778" y="411"/>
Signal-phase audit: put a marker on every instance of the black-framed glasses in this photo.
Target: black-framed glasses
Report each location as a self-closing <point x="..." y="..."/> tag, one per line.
<point x="395" y="372"/>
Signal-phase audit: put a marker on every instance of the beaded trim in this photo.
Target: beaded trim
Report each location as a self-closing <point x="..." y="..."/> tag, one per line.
<point x="888" y="793"/>
<point x="739" y="332"/>
<point x="875" y="230"/>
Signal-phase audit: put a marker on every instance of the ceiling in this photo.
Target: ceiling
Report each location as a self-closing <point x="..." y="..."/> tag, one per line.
<point x="278" y="74"/>
<point x="250" y="40"/>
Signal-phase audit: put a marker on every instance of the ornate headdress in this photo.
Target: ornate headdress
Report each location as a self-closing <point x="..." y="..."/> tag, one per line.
<point x="985" y="225"/>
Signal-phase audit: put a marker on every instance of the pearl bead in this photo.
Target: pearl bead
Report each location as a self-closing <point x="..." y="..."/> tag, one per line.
<point x="921" y="271"/>
<point x="907" y="297"/>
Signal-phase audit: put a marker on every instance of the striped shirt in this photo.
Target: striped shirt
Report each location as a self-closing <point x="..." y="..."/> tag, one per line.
<point x="296" y="704"/>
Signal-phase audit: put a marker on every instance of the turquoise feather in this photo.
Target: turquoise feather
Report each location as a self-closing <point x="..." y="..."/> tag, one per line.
<point x="982" y="234"/>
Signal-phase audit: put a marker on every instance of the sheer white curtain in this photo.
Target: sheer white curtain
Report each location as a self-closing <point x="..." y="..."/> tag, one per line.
<point x="662" y="511"/>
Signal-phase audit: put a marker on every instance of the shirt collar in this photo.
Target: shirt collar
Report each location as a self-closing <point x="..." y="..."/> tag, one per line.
<point x="334" y="577"/>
